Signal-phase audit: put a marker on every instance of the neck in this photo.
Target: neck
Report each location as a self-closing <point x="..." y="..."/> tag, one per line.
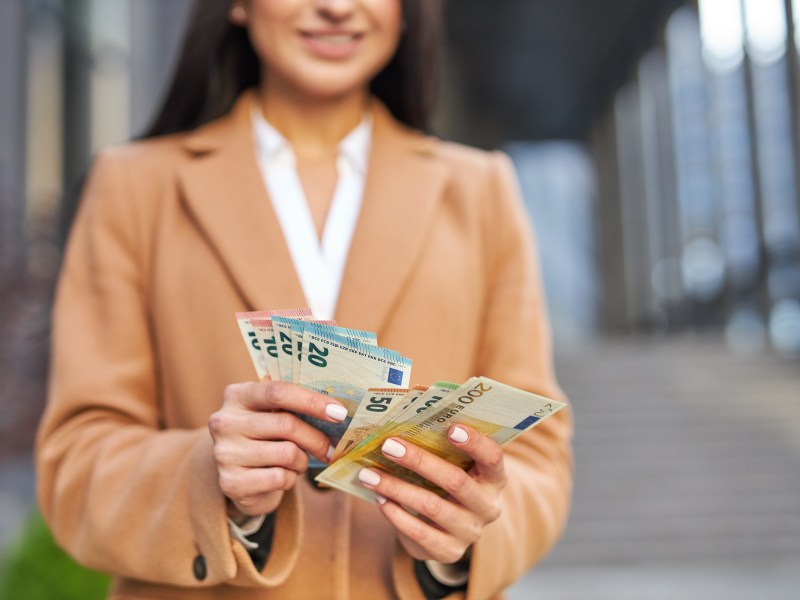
<point x="313" y="126"/>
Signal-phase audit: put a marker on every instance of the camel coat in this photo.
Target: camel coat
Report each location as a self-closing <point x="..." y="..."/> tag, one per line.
<point x="176" y="234"/>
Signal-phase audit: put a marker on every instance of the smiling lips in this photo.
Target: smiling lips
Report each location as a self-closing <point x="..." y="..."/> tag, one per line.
<point x="332" y="45"/>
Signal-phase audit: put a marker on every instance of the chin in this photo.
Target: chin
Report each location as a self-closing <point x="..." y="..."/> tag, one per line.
<point x="329" y="88"/>
<point x="331" y="81"/>
<point x="333" y="90"/>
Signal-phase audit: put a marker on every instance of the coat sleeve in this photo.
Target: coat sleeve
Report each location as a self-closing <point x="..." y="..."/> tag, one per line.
<point x="516" y="349"/>
<point x="121" y="493"/>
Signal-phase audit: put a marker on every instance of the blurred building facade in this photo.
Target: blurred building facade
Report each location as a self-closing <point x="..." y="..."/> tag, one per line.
<point x="75" y="75"/>
<point x="656" y="144"/>
<point x="700" y="216"/>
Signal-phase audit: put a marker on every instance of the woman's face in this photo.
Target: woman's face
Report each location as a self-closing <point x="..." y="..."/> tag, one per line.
<point x="322" y="48"/>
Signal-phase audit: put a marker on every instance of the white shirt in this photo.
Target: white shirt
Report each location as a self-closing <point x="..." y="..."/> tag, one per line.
<point x="319" y="265"/>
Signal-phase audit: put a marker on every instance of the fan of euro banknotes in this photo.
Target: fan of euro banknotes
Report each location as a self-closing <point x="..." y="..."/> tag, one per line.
<point x="373" y="383"/>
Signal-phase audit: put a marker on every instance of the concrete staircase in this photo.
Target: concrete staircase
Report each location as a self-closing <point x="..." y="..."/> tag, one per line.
<point x="687" y="475"/>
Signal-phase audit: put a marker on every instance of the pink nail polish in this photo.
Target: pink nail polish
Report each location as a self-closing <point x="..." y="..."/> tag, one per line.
<point x="393" y="448"/>
<point x="369" y="477"/>
<point x="458" y="435"/>
<point x="335" y="411"/>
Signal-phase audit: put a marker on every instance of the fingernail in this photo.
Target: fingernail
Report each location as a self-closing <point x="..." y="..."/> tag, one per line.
<point x="458" y="435"/>
<point x="329" y="454"/>
<point x="336" y="411"/>
<point x="393" y="448"/>
<point x="369" y="477"/>
<point x="380" y="499"/>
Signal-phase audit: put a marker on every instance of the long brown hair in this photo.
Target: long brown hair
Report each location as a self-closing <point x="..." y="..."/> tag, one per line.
<point x="217" y="62"/>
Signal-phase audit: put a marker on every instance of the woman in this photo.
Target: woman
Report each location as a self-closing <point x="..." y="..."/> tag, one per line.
<point x="293" y="129"/>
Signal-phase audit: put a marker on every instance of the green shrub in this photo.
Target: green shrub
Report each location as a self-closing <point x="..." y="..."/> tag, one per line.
<point x="35" y="568"/>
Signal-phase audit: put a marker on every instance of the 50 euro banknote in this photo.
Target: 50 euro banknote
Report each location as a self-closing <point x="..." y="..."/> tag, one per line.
<point x="376" y="405"/>
<point x="403" y="408"/>
<point x="496" y="410"/>
<point x="406" y="408"/>
<point x="401" y="405"/>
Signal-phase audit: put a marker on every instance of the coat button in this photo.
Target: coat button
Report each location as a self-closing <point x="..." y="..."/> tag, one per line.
<point x="199" y="567"/>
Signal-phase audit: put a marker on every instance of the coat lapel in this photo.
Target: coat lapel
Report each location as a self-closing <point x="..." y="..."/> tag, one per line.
<point x="401" y="196"/>
<point x="224" y="191"/>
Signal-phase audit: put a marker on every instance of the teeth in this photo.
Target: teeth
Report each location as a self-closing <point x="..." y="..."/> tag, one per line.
<point x="336" y="39"/>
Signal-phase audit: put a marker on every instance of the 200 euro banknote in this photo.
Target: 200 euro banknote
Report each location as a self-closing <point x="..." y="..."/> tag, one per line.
<point x="496" y="410"/>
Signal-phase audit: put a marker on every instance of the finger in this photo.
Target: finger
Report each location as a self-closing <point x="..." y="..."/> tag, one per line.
<point x="450" y="478"/>
<point x="251" y="454"/>
<point x="287" y="426"/>
<point x="487" y="454"/>
<point x="281" y="395"/>
<point x="229" y="427"/>
<point x="446" y="515"/>
<point x="438" y="545"/>
<point x="251" y="489"/>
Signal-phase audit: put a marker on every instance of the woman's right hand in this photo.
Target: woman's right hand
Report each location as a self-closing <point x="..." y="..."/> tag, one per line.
<point x="260" y="445"/>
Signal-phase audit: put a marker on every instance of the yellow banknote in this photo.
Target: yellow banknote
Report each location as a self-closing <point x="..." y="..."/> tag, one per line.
<point x="499" y="411"/>
<point x="399" y="407"/>
<point x="424" y="401"/>
<point x="415" y="402"/>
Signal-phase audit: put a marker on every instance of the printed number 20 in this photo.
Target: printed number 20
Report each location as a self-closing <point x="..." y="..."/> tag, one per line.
<point x="316" y="354"/>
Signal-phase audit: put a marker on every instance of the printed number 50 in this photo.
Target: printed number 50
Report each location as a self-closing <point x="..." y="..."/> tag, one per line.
<point x="378" y="404"/>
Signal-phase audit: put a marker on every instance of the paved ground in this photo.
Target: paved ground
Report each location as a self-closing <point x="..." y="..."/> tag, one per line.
<point x="687" y="477"/>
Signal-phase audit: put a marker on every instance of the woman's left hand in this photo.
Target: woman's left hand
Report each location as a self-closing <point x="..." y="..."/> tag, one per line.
<point x="450" y="525"/>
